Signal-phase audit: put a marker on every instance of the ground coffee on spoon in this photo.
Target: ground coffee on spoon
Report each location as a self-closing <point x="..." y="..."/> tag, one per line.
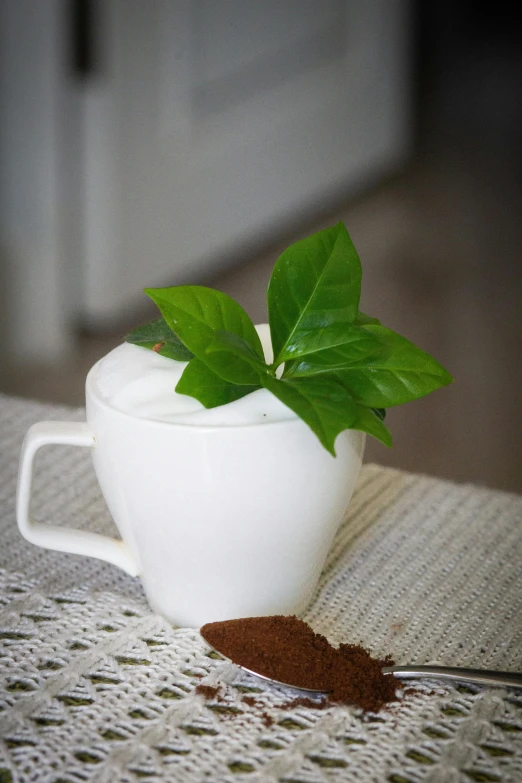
<point x="287" y="649"/>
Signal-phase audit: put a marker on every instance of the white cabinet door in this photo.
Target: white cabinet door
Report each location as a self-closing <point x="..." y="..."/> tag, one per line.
<point x="211" y="124"/>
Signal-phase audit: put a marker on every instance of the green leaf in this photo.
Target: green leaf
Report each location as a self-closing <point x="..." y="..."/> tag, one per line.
<point x="361" y="319"/>
<point x="199" y="381"/>
<point x="405" y="374"/>
<point x="239" y="363"/>
<point x="371" y="422"/>
<point x="315" y="282"/>
<point x="158" y="336"/>
<point x="336" y="345"/>
<point x="323" y="404"/>
<point x="401" y="373"/>
<point x="196" y="313"/>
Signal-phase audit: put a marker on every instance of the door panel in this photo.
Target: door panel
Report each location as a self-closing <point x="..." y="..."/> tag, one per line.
<point x="215" y="123"/>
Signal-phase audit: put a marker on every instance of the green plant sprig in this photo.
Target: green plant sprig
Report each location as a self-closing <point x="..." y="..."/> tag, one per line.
<point x="341" y="368"/>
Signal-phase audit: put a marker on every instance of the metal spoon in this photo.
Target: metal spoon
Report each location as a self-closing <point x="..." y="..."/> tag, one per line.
<point x="454" y="673"/>
<point x="458" y="674"/>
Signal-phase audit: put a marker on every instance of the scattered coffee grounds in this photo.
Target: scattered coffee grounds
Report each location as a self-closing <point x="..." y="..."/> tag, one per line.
<point x="287" y="649"/>
<point x="211" y="692"/>
<point x="207" y="691"/>
<point x="304" y="701"/>
<point x="267" y="719"/>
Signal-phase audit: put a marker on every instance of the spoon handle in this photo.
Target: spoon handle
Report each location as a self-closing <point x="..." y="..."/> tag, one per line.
<point x="477" y="676"/>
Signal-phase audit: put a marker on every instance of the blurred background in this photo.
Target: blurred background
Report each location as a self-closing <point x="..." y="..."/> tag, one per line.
<point x="189" y="141"/>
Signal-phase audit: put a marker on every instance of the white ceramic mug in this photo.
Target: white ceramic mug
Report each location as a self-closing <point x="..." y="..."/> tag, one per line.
<point x="218" y="521"/>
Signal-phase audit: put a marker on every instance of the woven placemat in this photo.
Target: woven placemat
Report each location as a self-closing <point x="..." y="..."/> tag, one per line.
<point x="95" y="687"/>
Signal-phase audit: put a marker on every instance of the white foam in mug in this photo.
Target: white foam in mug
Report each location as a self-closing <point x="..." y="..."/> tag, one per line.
<point x="224" y="512"/>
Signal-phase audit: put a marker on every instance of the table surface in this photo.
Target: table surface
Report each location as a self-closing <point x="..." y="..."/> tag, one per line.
<point x="95" y="687"/>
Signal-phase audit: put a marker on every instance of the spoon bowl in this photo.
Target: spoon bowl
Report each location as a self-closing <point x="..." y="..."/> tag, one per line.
<point x="278" y="683"/>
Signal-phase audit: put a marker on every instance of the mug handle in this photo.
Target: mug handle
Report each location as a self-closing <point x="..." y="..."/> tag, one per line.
<point x="77" y="542"/>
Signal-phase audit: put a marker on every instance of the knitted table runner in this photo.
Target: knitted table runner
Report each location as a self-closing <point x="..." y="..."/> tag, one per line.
<point x="95" y="687"/>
